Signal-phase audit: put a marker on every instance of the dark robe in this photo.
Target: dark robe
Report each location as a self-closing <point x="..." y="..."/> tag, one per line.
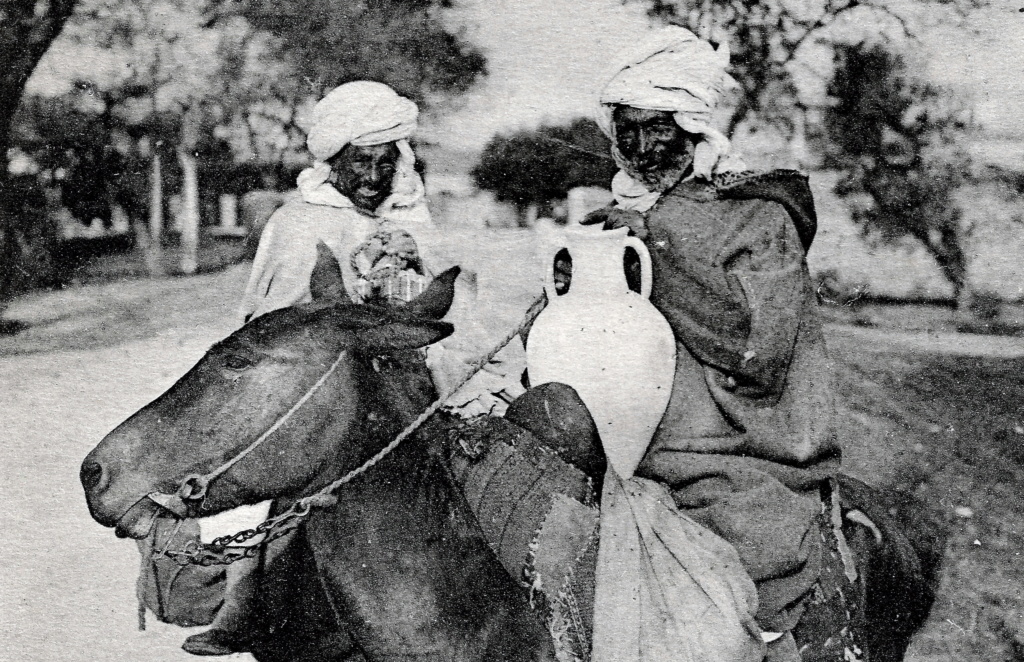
<point x="747" y="437"/>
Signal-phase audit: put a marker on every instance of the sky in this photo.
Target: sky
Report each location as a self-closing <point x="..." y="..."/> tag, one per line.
<point x="986" y="60"/>
<point x="546" y="58"/>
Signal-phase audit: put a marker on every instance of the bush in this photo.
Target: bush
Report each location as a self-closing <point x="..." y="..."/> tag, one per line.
<point x="984" y="306"/>
<point x="538" y="166"/>
<point x="834" y="290"/>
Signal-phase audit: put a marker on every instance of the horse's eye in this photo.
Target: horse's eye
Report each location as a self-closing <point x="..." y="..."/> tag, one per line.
<point x="236" y="362"/>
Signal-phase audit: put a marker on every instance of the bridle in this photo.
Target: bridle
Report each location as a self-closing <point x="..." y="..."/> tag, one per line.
<point x="192" y="490"/>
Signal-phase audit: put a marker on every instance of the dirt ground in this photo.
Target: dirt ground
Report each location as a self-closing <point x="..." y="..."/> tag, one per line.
<point x="934" y="414"/>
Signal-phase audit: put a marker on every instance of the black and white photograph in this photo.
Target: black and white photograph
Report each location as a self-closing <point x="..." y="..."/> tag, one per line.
<point x="512" y="330"/>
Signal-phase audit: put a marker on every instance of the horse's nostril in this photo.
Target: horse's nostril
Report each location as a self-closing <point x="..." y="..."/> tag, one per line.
<point x="91" y="475"/>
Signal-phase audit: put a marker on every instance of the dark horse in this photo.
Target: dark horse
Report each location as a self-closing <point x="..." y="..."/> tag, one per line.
<point x="398" y="568"/>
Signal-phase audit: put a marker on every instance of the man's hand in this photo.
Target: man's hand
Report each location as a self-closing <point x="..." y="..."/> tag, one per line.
<point x="616" y="217"/>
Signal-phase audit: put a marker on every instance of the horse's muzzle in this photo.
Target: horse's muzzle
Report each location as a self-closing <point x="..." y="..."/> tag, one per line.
<point x="139" y="520"/>
<point x="116" y="498"/>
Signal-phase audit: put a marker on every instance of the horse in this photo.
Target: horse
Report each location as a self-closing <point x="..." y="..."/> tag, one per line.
<point x="397" y="567"/>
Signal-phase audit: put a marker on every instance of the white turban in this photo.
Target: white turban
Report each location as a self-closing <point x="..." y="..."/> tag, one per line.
<point x="360" y="113"/>
<point x="364" y="113"/>
<point x="674" y="71"/>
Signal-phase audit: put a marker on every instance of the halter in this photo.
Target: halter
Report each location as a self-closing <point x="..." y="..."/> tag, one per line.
<point x="193" y="487"/>
<point x="226" y="549"/>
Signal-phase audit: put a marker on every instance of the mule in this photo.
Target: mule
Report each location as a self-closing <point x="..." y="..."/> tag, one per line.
<point x="397" y="568"/>
<point x="401" y="563"/>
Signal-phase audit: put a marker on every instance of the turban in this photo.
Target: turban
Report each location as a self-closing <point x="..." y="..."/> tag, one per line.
<point x="677" y="72"/>
<point x="364" y="113"/>
<point x="359" y="113"/>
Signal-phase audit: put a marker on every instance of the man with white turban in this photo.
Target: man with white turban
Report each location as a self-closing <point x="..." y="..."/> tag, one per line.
<point x="747" y="444"/>
<point x="363" y="198"/>
<point x="362" y="187"/>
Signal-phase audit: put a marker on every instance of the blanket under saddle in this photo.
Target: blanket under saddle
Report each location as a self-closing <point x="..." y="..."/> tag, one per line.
<point x="539" y="515"/>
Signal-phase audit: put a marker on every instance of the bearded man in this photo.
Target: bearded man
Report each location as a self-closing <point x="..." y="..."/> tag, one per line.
<point x="747" y="443"/>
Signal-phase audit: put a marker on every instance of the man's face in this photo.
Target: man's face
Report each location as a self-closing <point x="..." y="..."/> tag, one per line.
<point x="364" y="174"/>
<point x="651" y="141"/>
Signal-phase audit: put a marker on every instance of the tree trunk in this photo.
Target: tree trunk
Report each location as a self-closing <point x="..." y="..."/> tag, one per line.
<point x="27" y="28"/>
<point x="150" y="242"/>
<point x="189" y="212"/>
<point x="8" y="259"/>
<point x="945" y="247"/>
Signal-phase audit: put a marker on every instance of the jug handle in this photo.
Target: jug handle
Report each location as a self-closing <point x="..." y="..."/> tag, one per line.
<point x="549" y="275"/>
<point x="645" y="264"/>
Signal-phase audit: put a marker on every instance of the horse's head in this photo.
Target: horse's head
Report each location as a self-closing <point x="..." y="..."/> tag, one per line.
<point x="248" y="382"/>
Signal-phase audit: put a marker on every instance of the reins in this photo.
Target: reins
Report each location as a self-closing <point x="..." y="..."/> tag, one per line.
<point x="228" y="549"/>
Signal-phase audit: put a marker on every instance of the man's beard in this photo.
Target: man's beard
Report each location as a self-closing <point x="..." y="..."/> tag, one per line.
<point x="662" y="177"/>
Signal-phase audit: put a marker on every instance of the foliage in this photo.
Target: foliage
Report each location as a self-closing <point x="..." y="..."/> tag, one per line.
<point x="771" y="40"/>
<point x="27" y="255"/>
<point x="896" y="139"/>
<point x="27" y="28"/>
<point x="985" y="306"/>
<point x="404" y="43"/>
<point x="542" y="165"/>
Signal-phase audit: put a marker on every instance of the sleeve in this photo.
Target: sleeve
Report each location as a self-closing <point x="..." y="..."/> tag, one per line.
<point x="490" y="389"/>
<point x="740" y="312"/>
<point x="281" y="269"/>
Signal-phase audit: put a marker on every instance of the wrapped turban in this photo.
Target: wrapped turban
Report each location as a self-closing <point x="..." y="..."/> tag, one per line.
<point x="364" y="113"/>
<point x="674" y="71"/>
<point x="360" y="113"/>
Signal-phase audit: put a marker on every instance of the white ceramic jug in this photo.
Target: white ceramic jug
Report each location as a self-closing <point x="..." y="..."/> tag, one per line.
<point x="607" y="342"/>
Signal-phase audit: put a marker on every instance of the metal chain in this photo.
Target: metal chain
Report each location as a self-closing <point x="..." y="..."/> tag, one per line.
<point x="227" y="549"/>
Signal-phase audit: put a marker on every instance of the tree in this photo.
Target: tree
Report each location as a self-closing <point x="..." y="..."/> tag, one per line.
<point x="163" y="79"/>
<point x="896" y="140"/>
<point x="541" y="165"/>
<point x="771" y="39"/>
<point x="403" y="43"/>
<point x="27" y="28"/>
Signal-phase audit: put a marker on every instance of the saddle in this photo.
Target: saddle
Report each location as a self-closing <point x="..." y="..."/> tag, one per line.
<point x="536" y="507"/>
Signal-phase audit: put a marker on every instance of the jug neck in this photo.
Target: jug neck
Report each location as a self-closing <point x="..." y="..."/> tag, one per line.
<point x="597" y="261"/>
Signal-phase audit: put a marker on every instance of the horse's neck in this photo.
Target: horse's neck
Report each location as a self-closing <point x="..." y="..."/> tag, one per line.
<point x="404" y="561"/>
<point x="411" y="480"/>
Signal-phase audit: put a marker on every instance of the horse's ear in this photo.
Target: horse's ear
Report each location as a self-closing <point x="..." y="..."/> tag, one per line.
<point x="397" y="335"/>
<point x="327" y="283"/>
<point x="437" y="298"/>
